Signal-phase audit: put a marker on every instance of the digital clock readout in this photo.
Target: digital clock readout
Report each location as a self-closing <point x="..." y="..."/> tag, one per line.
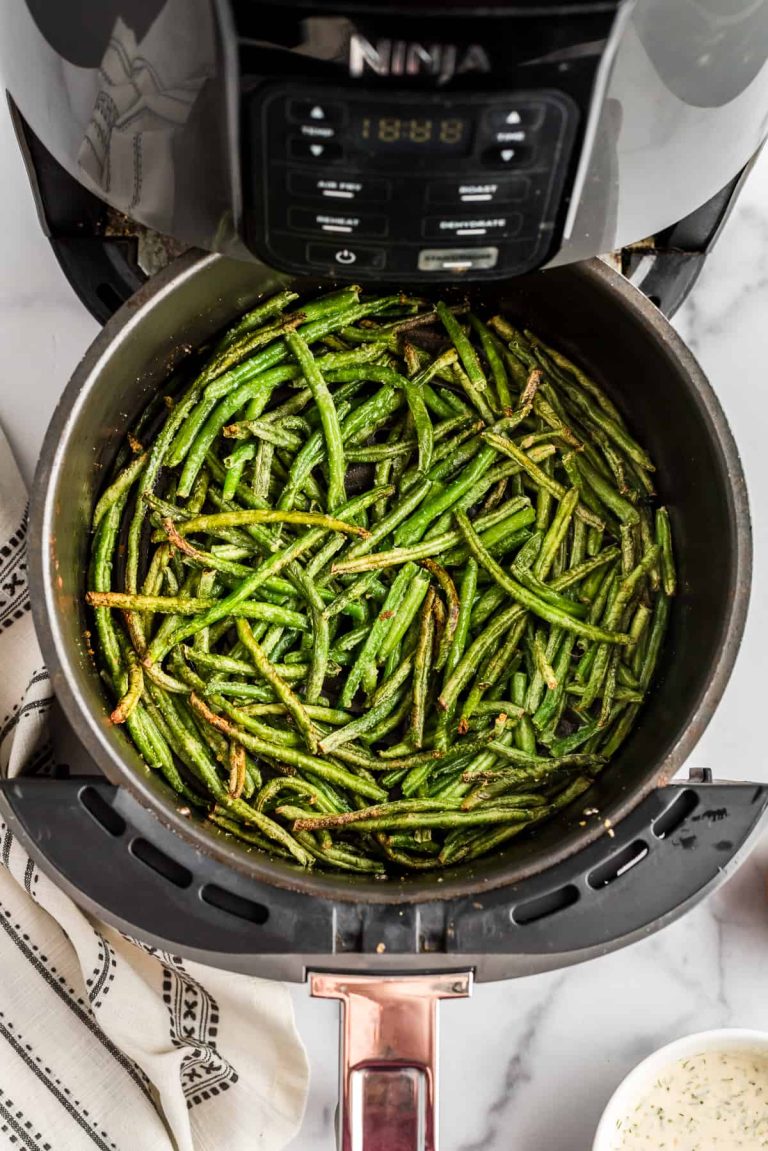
<point x="410" y="132"/>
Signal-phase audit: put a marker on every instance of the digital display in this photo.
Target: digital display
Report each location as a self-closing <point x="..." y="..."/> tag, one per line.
<point x="410" y="131"/>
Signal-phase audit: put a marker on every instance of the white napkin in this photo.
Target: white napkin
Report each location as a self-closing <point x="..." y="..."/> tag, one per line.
<point x="106" y="1042"/>
<point x="147" y="91"/>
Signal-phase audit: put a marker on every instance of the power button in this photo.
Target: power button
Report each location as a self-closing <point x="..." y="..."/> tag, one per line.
<point x="343" y="256"/>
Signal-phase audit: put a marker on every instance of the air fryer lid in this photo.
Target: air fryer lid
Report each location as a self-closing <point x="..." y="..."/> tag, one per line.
<point x="589" y="311"/>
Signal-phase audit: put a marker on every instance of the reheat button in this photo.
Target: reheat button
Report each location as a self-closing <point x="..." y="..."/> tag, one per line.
<point x="337" y="223"/>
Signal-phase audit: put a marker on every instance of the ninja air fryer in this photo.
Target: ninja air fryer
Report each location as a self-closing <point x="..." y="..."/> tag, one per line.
<point x="420" y="144"/>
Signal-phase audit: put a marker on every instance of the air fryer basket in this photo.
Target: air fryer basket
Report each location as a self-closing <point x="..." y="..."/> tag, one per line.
<point x="591" y="313"/>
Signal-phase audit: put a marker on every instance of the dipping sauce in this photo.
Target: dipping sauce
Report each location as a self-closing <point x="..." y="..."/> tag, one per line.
<point x="718" y="1099"/>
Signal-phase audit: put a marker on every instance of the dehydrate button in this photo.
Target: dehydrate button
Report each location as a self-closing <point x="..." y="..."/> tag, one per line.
<point x="493" y="225"/>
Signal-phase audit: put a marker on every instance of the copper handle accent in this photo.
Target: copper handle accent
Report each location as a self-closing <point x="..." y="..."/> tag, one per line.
<point x="389" y="1056"/>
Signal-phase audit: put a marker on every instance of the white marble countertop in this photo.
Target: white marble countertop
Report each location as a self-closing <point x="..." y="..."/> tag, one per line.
<point x="527" y="1065"/>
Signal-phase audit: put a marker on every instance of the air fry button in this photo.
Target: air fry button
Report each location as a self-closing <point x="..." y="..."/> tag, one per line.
<point x="438" y="227"/>
<point x="323" y="187"/>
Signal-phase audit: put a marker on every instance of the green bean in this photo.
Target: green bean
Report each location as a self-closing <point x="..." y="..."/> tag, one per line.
<point x="608" y="424"/>
<point x="355" y="591"/>
<point x="655" y="639"/>
<point x="119" y="488"/>
<point x="613" y="614"/>
<point x="525" y="735"/>
<point x="376" y="635"/>
<point x="549" y="594"/>
<point x="664" y="540"/>
<point x="328" y="418"/>
<point x="542" y="664"/>
<point x="255" y="516"/>
<point x="438" y="819"/>
<point x="325" y="770"/>
<point x="576" y="574"/>
<point x="347" y="819"/>
<point x="281" y="689"/>
<point x="331" y="715"/>
<point x="433" y="546"/>
<point x="467" y="595"/>
<point x="182" y="605"/>
<point x="527" y="599"/>
<point x="404" y="617"/>
<point x="475" y="383"/>
<point x="198" y="433"/>
<point x="264" y="311"/>
<point x="243" y="348"/>
<point x="555" y="534"/>
<point x="414" y="528"/>
<point x="386" y="525"/>
<point x="272" y="433"/>
<point x="321" y="637"/>
<point x="495" y="361"/>
<point x="134" y="689"/>
<point x="621" y="507"/>
<point x="548" y="711"/>
<point x="537" y="474"/>
<point x="380" y="709"/>
<point x="448" y="588"/>
<point x="422" y="665"/>
<point x="254" y="383"/>
<point x="233" y="603"/>
<point x="493" y="671"/>
<point x="376" y="452"/>
<point x="467" y="665"/>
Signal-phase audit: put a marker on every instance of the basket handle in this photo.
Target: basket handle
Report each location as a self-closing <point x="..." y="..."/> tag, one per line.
<point x="389" y="1056"/>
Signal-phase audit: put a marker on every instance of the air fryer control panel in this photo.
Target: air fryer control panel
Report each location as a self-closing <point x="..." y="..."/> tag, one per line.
<point x="410" y="185"/>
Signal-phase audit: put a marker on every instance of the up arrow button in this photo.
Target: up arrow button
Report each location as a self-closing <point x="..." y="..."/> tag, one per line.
<point x="317" y="113"/>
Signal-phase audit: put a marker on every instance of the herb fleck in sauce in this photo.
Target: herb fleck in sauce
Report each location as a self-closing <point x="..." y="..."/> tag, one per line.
<point x="716" y="1100"/>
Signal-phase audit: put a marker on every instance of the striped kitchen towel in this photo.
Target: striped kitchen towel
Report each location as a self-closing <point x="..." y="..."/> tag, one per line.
<point x="107" y="1043"/>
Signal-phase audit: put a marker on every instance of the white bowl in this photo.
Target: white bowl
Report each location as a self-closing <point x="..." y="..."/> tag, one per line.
<point x="639" y="1080"/>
